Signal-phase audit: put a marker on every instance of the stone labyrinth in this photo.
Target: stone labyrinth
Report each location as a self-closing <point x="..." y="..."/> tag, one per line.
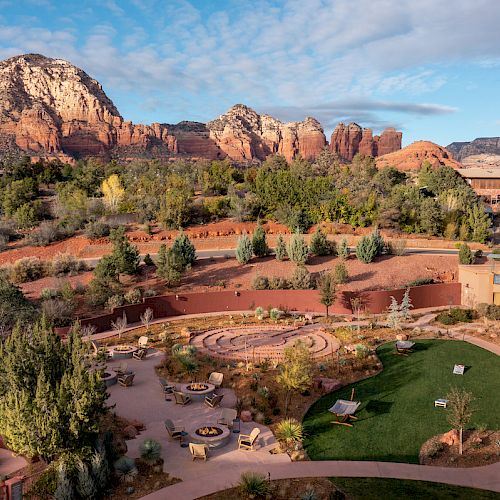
<point x="258" y="343"/>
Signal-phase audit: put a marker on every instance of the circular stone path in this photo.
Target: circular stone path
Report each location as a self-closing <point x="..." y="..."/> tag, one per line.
<point x="261" y="342"/>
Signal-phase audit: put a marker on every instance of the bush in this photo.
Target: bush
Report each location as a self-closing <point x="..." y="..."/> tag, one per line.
<point x="343" y="249"/>
<point x="125" y="469"/>
<point x="301" y="279"/>
<point x="259" y="312"/>
<point x="420" y="282"/>
<point x="361" y="351"/>
<point x="289" y="431"/>
<point x="97" y="229"/>
<point x="133" y="296"/>
<point x="456" y="315"/>
<point x="59" y="312"/>
<point x="4" y="240"/>
<point x="254" y="485"/>
<point x="465" y="255"/>
<point x="184" y="249"/>
<point x="260" y="283"/>
<point x="396" y="247"/>
<point x="320" y="245"/>
<point x="370" y="247"/>
<point x="278" y="283"/>
<point x="150" y="451"/>
<point x="148" y="261"/>
<point x="99" y="291"/>
<point x="46" y="233"/>
<point x="280" y="250"/>
<point x="65" y="263"/>
<point x="259" y="243"/>
<point x="115" y="301"/>
<point x="244" y="249"/>
<point x="275" y="314"/>
<point x="340" y="274"/>
<point x="27" y="269"/>
<point x="297" y="249"/>
<point x="490" y="311"/>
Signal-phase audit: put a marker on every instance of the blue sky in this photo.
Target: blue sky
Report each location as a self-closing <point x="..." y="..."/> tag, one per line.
<point x="430" y="67"/>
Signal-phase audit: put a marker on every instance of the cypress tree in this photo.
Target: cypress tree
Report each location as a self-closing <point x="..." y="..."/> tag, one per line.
<point x="298" y="250"/>
<point x="184" y="249"/>
<point x="244" y="249"/>
<point x="259" y="243"/>
<point x="280" y="250"/>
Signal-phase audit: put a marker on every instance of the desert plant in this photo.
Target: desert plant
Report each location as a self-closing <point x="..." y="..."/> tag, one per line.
<point x="259" y="243"/>
<point x="148" y="261"/>
<point x="301" y="279"/>
<point x="460" y="411"/>
<point x="260" y="282"/>
<point x="46" y="233"/>
<point x="396" y="247"/>
<point x="361" y="351"/>
<point x="27" y="269"/>
<point x="319" y="243"/>
<point x="125" y="469"/>
<point x="86" y="484"/>
<point x="150" y="451"/>
<point x="278" y="283"/>
<point x="133" y="296"/>
<point x="340" y="274"/>
<point x="259" y="312"/>
<point x="343" y="249"/>
<point x="327" y="290"/>
<point x="289" y="431"/>
<point x="297" y="249"/>
<point x="97" y="229"/>
<point x="147" y="317"/>
<point x="59" y="312"/>
<point x="280" y="250"/>
<point x="120" y="325"/>
<point x="244" y="249"/>
<point x="115" y="301"/>
<point x="274" y="314"/>
<point x="4" y="241"/>
<point x="253" y="485"/>
<point x="65" y="263"/>
<point x="465" y="255"/>
<point x="64" y="489"/>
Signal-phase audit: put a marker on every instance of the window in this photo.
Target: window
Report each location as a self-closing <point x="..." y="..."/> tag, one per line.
<point x="496" y="279"/>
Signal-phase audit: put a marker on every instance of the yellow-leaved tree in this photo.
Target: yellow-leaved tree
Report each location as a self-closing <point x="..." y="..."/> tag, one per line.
<point x="113" y="192"/>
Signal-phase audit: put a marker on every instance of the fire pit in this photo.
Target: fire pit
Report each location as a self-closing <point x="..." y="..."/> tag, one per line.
<point x="109" y="378"/>
<point x="211" y="435"/>
<point x="198" y="390"/>
<point x="122" y="351"/>
<point x="197" y="387"/>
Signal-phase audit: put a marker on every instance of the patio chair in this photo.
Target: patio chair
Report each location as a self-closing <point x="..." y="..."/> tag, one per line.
<point x="181" y="398"/>
<point x="99" y="350"/>
<point x="247" y="441"/>
<point x="127" y="379"/>
<point x="216" y="379"/>
<point x="121" y="368"/>
<point x="198" y="451"/>
<point x="140" y="354"/>
<point x="404" y="347"/>
<point x="166" y="386"/>
<point x="174" y="431"/>
<point x="143" y="342"/>
<point x="227" y="416"/>
<point x="213" y="401"/>
<point x="344" y="411"/>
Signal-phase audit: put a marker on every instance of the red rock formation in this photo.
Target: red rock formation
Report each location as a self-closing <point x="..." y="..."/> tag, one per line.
<point x="349" y="140"/>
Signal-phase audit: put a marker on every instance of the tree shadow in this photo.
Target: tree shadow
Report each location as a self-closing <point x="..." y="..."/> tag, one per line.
<point x="362" y="276"/>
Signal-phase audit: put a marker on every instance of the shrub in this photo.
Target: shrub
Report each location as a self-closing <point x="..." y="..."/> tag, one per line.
<point x="49" y="293"/>
<point x="259" y="312"/>
<point x="396" y="247"/>
<point x="493" y="312"/>
<point x="254" y="485"/>
<point x="59" y="312"/>
<point x="65" y="263"/>
<point x="244" y="249"/>
<point x="278" y="283"/>
<point x="361" y="351"/>
<point x="184" y="249"/>
<point x="343" y="249"/>
<point x="125" y="469"/>
<point x="369" y="247"/>
<point x="44" y="234"/>
<point x="320" y="245"/>
<point x="86" y="485"/>
<point x="289" y="431"/>
<point x="301" y="279"/>
<point x="435" y="447"/>
<point x="280" y="250"/>
<point x="259" y="243"/>
<point x="340" y="274"/>
<point x="465" y="255"/>
<point x="456" y="315"/>
<point x="150" y="451"/>
<point x="99" y="291"/>
<point x="4" y="240"/>
<point x="275" y="314"/>
<point x="260" y="283"/>
<point x="133" y="296"/>
<point x="27" y="269"/>
<point x="148" y="261"/>
<point x="420" y="282"/>
<point x="97" y="229"/>
<point x="115" y="301"/>
<point x="100" y="470"/>
<point x="297" y="249"/>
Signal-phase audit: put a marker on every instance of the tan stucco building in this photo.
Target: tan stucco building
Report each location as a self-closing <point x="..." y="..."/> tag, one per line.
<point x="480" y="283"/>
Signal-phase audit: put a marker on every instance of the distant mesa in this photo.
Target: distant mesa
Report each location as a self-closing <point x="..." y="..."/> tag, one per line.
<point x="48" y="107"/>
<point x="411" y="157"/>
<point x="483" y="152"/>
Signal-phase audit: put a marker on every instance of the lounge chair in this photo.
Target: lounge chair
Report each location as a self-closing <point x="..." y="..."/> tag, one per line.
<point x="166" y="386"/>
<point x="404" y="347"/>
<point x="120" y="369"/>
<point x="213" y="401"/>
<point x="99" y="350"/>
<point x="247" y="441"/>
<point x="140" y="354"/>
<point x="181" y="398"/>
<point x="143" y="342"/>
<point x="227" y="416"/>
<point x="174" y="431"/>
<point x="127" y="379"/>
<point x="216" y="379"/>
<point x="198" y="451"/>
<point x="344" y="411"/>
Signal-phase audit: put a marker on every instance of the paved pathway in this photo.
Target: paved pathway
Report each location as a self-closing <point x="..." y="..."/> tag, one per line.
<point x="10" y="463"/>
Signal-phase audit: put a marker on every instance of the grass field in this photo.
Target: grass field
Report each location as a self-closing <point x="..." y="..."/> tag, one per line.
<point x="397" y="414"/>
<point x="395" y="489"/>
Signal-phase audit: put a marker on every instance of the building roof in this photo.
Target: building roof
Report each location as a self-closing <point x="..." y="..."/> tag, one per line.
<point x="479" y="173"/>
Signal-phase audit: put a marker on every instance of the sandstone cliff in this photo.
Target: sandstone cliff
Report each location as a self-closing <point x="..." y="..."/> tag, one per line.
<point x="411" y="157"/>
<point x="481" y="152"/>
<point x="348" y="140"/>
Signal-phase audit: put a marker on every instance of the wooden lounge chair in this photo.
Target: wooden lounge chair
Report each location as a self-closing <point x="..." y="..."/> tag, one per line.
<point x="121" y="368"/>
<point x="127" y="379"/>
<point x="166" y="387"/>
<point x="404" y="347"/>
<point x="247" y="441"/>
<point x="140" y="354"/>
<point x="216" y="379"/>
<point x="198" y="451"/>
<point x="227" y="416"/>
<point x="344" y="410"/>
<point x="214" y="400"/>
<point x="181" y="398"/>
<point x="143" y="342"/>
<point x="174" y="431"/>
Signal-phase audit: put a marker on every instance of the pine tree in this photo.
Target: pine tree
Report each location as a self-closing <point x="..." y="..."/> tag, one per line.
<point x="244" y="249"/>
<point x="297" y="249"/>
<point x="480" y="223"/>
<point x="259" y="243"/>
<point x="465" y="255"/>
<point x="320" y="244"/>
<point x="125" y="256"/>
<point x="340" y="273"/>
<point x="185" y="250"/>
<point x="394" y="316"/>
<point x="365" y="251"/>
<point x="406" y="305"/>
<point x="168" y="266"/>
<point x="343" y="249"/>
<point x="327" y="290"/>
<point x="86" y="485"/>
<point x="280" y="250"/>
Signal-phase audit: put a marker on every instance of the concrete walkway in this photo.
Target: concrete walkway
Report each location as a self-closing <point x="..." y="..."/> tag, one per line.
<point x="10" y="463"/>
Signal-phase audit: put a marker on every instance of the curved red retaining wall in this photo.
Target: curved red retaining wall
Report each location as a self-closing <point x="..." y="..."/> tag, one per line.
<point x="164" y="306"/>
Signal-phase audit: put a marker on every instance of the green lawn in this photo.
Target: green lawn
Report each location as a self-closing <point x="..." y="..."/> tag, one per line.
<point x="398" y="415"/>
<point x="396" y="489"/>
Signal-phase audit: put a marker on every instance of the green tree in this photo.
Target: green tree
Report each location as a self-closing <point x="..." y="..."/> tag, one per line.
<point x="340" y="274"/>
<point x="319" y="243"/>
<point x="175" y="205"/>
<point x="18" y="193"/>
<point x="480" y="223"/>
<point x="465" y="255"/>
<point x="297" y="249"/>
<point x="125" y="255"/>
<point x="459" y="411"/>
<point x="259" y="243"/>
<point x="295" y="371"/>
<point x="184" y="249"/>
<point x="327" y="290"/>
<point x="14" y="307"/>
<point x="280" y="250"/>
<point x="343" y="249"/>
<point x="301" y="278"/>
<point x="169" y="265"/>
<point x="431" y="217"/>
<point x="244" y="249"/>
<point x="365" y="250"/>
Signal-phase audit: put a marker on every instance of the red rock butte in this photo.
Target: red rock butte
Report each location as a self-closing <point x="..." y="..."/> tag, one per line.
<point x="50" y="108"/>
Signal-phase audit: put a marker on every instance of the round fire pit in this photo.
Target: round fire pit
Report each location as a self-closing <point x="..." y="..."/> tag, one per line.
<point x="122" y="351"/>
<point x="214" y="436"/>
<point x="109" y="378"/>
<point x="198" y="390"/>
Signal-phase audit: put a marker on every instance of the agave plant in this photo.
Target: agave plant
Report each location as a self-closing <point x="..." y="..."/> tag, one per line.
<point x="254" y="485"/>
<point x="125" y="469"/>
<point x="289" y="431"/>
<point x="150" y="451"/>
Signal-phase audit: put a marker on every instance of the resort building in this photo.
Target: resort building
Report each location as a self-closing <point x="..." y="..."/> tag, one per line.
<point x="481" y="283"/>
<point x="485" y="182"/>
